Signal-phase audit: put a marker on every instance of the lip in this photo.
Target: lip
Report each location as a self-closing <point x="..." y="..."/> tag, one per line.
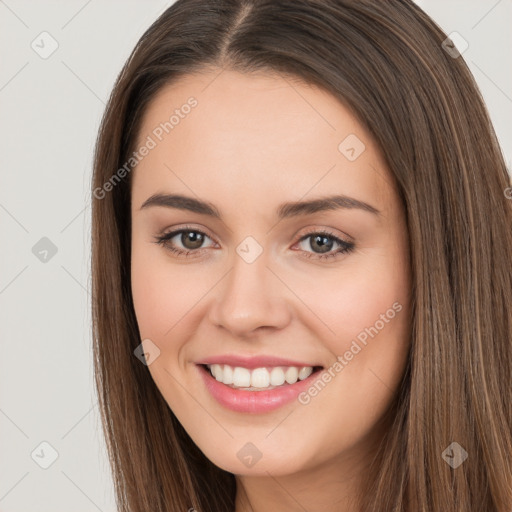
<point x="255" y="402"/>
<point x="252" y="362"/>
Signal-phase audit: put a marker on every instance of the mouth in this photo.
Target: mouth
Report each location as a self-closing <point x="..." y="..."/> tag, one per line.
<point x="256" y="390"/>
<point x="259" y="379"/>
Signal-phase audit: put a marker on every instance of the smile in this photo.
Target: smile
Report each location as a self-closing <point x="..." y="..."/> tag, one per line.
<point x="257" y="390"/>
<point x="258" y="378"/>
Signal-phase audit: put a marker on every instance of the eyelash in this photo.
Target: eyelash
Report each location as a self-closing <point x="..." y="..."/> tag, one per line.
<point x="345" y="247"/>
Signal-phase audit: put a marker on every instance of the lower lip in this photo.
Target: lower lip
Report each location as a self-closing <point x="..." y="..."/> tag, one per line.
<point x="254" y="401"/>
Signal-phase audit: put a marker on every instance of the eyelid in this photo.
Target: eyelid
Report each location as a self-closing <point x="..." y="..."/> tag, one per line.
<point x="329" y="231"/>
<point x="346" y="244"/>
<point x="186" y="227"/>
<point x="309" y="231"/>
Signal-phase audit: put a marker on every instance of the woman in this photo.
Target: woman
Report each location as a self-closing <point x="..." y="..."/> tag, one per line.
<point x="301" y="279"/>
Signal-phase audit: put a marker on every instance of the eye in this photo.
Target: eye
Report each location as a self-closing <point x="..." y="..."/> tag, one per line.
<point x="191" y="240"/>
<point x="322" y="243"/>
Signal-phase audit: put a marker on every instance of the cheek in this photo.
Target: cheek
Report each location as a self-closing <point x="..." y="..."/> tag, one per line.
<point x="356" y="298"/>
<point x="160" y="294"/>
<point x="168" y="298"/>
<point x="164" y="296"/>
<point x="366" y="302"/>
<point x="366" y="307"/>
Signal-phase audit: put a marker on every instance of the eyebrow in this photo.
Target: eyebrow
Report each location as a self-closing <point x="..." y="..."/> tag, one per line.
<point x="284" y="211"/>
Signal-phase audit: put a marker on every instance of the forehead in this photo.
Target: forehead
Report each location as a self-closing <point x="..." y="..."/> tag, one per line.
<point x="263" y="134"/>
<point x="252" y="103"/>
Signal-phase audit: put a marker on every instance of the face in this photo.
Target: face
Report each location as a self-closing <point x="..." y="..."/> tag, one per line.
<point x="242" y="266"/>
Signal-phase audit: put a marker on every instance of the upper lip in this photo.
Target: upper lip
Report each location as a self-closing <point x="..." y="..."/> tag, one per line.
<point x="252" y="362"/>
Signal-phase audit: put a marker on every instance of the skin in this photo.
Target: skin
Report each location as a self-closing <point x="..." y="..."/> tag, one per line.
<point x="253" y="142"/>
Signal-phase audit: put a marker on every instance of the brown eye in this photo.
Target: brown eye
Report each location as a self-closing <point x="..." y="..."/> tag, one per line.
<point x="321" y="243"/>
<point x="191" y="239"/>
<point x="184" y="241"/>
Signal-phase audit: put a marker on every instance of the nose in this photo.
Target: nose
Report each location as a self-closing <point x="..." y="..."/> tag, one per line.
<point x="250" y="299"/>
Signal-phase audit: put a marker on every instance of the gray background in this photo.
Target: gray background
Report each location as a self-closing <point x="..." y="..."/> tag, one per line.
<point x="50" y="113"/>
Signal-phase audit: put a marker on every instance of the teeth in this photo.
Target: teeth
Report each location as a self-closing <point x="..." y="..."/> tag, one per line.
<point x="217" y="371"/>
<point x="259" y="378"/>
<point x="227" y="375"/>
<point x="305" y="372"/>
<point x="277" y="376"/>
<point x="291" y="375"/>
<point x="241" y="377"/>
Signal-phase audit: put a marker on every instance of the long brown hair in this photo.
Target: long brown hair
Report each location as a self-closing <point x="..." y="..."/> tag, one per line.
<point x="386" y="62"/>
